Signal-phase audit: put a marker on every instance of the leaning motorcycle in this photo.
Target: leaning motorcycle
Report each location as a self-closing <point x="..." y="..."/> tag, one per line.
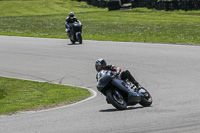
<point x="121" y="93"/>
<point x="76" y="32"/>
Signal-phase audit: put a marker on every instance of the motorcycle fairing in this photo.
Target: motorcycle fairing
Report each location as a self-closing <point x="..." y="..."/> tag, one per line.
<point x="133" y="97"/>
<point x="103" y="82"/>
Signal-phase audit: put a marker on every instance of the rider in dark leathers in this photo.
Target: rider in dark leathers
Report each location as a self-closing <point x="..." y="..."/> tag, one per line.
<point x="70" y="19"/>
<point x="100" y="64"/>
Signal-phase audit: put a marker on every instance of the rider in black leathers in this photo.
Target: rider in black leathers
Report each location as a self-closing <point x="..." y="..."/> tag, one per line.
<point x="100" y="64"/>
<point x="70" y="19"/>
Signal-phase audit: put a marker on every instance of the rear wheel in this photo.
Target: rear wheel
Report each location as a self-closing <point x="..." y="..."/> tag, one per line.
<point x="116" y="99"/>
<point x="146" y="99"/>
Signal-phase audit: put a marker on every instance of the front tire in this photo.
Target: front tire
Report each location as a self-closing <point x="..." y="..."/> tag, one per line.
<point x="116" y="99"/>
<point x="80" y="38"/>
<point x="72" y="41"/>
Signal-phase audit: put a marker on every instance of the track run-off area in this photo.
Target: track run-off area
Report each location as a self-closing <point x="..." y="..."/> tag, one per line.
<point x="171" y="73"/>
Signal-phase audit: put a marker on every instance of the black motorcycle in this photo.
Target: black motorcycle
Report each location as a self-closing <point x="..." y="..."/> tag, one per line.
<point x="75" y="32"/>
<point x="121" y="93"/>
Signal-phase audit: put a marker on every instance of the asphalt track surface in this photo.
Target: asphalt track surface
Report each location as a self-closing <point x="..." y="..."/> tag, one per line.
<point x="171" y="73"/>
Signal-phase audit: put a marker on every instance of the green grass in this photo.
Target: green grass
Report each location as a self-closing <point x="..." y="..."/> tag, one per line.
<point x="16" y="95"/>
<point x="46" y="18"/>
<point x="42" y="7"/>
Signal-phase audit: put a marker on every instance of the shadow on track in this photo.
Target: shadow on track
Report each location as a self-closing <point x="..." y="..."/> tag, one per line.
<point x="74" y="44"/>
<point x="113" y="110"/>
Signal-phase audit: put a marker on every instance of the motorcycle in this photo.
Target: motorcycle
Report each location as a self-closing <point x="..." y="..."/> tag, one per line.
<point x="76" y="32"/>
<point x="121" y="93"/>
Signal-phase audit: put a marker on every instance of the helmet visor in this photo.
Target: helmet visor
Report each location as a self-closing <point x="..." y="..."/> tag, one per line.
<point x="98" y="67"/>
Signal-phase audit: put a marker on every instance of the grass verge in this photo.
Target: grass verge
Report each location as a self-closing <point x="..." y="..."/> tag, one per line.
<point x="47" y="19"/>
<point x="17" y="95"/>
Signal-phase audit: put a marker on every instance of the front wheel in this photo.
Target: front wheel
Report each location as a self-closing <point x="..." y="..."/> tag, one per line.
<point x="80" y="38"/>
<point x="146" y="97"/>
<point x="72" y="40"/>
<point x="116" y="99"/>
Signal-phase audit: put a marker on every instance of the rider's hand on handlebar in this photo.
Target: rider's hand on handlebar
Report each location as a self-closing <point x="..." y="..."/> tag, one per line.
<point x="139" y="86"/>
<point x="118" y="70"/>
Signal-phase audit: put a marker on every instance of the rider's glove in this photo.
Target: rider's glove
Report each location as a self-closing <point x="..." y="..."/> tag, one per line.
<point x="118" y="70"/>
<point x="139" y="86"/>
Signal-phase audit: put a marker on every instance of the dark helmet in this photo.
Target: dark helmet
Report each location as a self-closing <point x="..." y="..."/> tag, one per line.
<point x="71" y="15"/>
<point x="100" y="64"/>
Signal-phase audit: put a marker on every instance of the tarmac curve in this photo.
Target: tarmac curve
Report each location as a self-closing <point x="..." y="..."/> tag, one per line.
<point x="171" y="73"/>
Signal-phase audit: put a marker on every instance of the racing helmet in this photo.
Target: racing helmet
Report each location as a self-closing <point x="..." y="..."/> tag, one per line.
<point x="100" y="64"/>
<point x="71" y="15"/>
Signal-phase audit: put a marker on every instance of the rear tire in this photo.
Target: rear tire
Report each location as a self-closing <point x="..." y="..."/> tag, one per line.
<point x="118" y="103"/>
<point x="146" y="101"/>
